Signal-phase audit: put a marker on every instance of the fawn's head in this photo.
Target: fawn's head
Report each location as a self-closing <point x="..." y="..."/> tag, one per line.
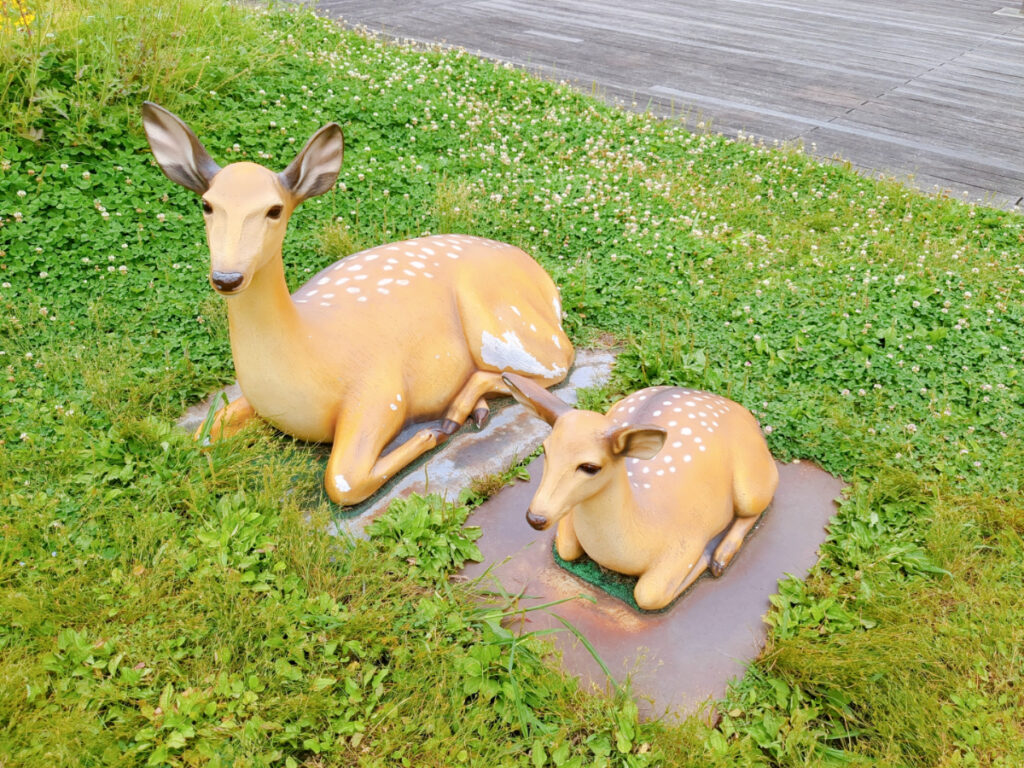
<point x="246" y="206"/>
<point x="582" y="455"/>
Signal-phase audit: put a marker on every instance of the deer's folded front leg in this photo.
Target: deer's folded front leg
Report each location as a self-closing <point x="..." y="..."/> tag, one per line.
<point x="568" y="546"/>
<point x="356" y="469"/>
<point x="228" y="420"/>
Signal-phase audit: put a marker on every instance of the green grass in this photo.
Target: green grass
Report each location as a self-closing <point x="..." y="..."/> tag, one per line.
<point x="164" y="605"/>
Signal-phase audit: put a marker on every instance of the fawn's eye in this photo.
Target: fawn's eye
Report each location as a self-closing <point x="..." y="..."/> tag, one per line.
<point x="590" y="469"/>
<point x="207" y="208"/>
<point x="275" y="212"/>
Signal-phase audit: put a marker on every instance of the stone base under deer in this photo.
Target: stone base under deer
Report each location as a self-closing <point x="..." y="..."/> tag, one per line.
<point x="680" y="658"/>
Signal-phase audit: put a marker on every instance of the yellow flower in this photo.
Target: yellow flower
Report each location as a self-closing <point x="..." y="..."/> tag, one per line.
<point x="15" y="14"/>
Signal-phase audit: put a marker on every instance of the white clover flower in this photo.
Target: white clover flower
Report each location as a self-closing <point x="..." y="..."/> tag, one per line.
<point x="22" y="193"/>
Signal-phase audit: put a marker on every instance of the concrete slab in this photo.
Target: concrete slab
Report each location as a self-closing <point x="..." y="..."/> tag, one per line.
<point x="682" y="657"/>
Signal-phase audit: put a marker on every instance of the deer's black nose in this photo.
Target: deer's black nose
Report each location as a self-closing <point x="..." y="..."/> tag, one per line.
<point x="226" y="281"/>
<point x="536" y="521"/>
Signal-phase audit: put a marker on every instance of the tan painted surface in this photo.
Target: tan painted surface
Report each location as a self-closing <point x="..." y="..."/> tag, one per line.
<point x="644" y="488"/>
<point x="398" y="334"/>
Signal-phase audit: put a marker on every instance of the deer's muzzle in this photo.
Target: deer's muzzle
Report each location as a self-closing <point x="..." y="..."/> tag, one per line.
<point x="226" y="282"/>
<point x="536" y="521"/>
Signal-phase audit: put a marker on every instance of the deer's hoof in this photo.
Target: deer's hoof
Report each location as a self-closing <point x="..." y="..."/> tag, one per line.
<point x="717" y="566"/>
<point x="449" y="427"/>
<point x="480" y="417"/>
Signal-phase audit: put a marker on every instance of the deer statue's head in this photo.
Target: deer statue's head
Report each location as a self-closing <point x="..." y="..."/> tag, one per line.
<point x="246" y="206"/>
<point x="584" y="453"/>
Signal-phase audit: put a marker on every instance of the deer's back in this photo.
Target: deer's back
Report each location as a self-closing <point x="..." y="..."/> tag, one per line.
<point x="693" y="472"/>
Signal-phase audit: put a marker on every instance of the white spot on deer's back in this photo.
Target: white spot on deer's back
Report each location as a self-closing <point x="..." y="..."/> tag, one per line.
<point x="341" y="281"/>
<point x="371" y="256"/>
<point x="323" y="281"/>
<point x="417" y="264"/>
<point x="554" y="338"/>
<point x="508" y="353"/>
<point x="385" y="281"/>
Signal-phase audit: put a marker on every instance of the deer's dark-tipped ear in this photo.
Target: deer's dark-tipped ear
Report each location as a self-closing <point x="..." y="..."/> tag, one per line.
<point x="181" y="156"/>
<point x="315" y="169"/>
<point x="639" y="442"/>
<point x="535" y="398"/>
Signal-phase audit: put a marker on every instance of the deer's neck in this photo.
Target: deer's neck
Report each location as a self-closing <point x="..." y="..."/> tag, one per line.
<point x="610" y="525"/>
<point x="265" y="326"/>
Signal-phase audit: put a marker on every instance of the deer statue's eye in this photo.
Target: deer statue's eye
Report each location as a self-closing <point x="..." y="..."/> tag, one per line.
<point x="207" y="208"/>
<point x="275" y="212"/>
<point x="590" y="469"/>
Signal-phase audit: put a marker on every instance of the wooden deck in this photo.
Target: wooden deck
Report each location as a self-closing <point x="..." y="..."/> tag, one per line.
<point x="930" y="91"/>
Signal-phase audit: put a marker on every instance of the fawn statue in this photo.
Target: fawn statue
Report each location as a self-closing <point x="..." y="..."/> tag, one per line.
<point x="645" y="488"/>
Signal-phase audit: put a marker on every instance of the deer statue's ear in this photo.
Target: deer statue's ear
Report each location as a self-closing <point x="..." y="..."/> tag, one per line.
<point x="537" y="399"/>
<point x="638" y="442"/>
<point x="315" y="169"/>
<point x="181" y="156"/>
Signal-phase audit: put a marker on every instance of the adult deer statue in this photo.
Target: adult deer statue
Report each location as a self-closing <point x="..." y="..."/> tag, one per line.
<point x="395" y="335"/>
<point x="645" y="488"/>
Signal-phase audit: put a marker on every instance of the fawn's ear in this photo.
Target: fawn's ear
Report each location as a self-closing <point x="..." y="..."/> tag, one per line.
<point x="537" y="399"/>
<point x="180" y="155"/>
<point x="315" y="169"/>
<point x="639" y="442"/>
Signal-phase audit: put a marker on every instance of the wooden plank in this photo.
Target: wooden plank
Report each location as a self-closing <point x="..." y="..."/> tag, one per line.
<point x="933" y="88"/>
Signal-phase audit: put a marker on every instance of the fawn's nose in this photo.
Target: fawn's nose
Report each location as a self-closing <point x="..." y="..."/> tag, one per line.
<point x="226" y="281"/>
<point x="536" y="521"/>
